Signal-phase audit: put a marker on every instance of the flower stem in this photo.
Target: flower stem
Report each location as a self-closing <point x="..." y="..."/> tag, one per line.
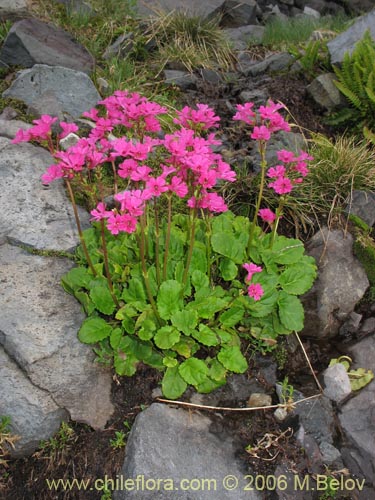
<point x="263" y="165"/>
<point x="191" y="247"/>
<point x="106" y="264"/>
<point x="144" y="270"/>
<point x="79" y="228"/>
<point x="157" y="243"/>
<point x="167" y="237"/>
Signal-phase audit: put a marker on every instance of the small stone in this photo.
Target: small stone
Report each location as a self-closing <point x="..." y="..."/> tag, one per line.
<point x="337" y="383"/>
<point x="181" y="79"/>
<point x="368" y="326"/>
<point x="69" y="141"/>
<point x="103" y="85"/>
<point x="330" y="454"/>
<point x="280" y="414"/>
<point x="257" y="400"/>
<point x="308" y="11"/>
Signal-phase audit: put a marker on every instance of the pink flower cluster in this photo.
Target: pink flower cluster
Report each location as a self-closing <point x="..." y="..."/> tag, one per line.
<point x="290" y="172"/>
<point x="254" y="290"/>
<point x="182" y="163"/>
<point x="265" y="122"/>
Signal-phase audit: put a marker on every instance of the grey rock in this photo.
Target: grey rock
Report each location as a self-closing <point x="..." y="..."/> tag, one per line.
<point x="345" y="42"/>
<point x="205" y="9"/>
<point x="9" y="128"/>
<point x="244" y="35"/>
<point x="69" y="141"/>
<point x="238" y="13"/>
<point x="44" y="217"/>
<point x="274" y="63"/>
<point x="121" y="47"/>
<point x="31" y="41"/>
<point x="308" y="11"/>
<point x="181" y="79"/>
<point x="311" y="449"/>
<point x="341" y="283"/>
<point x="72" y="90"/>
<point x="368" y="326"/>
<point x="330" y="454"/>
<point x="274" y="12"/>
<point x="34" y="414"/>
<point x="324" y="91"/>
<point x="258" y="399"/>
<point x="257" y="96"/>
<point x="210" y="76"/>
<point x="315" y="415"/>
<point x="8" y="113"/>
<point x="363" y="205"/>
<point x="13" y="8"/>
<point x="357" y="416"/>
<point x="337" y="383"/>
<point x="39" y="325"/>
<point x="350" y="327"/>
<point x="172" y="443"/>
<point x="290" y="492"/>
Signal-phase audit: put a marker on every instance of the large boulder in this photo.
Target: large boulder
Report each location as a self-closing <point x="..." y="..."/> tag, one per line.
<point x="32" y="214"/>
<point x="341" y="283"/>
<point x="204" y="9"/>
<point x="357" y="416"/>
<point x="13" y="8"/>
<point x="345" y="42"/>
<point x="57" y="91"/>
<point x="39" y="324"/>
<point x="31" y="41"/>
<point x="173" y="443"/>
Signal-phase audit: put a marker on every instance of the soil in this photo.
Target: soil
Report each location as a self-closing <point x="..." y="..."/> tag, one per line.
<point x="89" y="453"/>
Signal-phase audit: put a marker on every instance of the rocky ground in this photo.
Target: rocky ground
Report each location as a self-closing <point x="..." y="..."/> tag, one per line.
<point x="48" y="377"/>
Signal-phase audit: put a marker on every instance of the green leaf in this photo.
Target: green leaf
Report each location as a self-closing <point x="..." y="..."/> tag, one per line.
<point x="287" y="250"/>
<point x="173" y="385"/>
<point x="115" y="338"/>
<point x="170" y="362"/>
<point x="125" y="364"/>
<point x="93" y="330"/>
<point x="128" y="324"/>
<point x="166" y="337"/>
<point x="85" y="300"/>
<point x="147" y="330"/>
<point x="297" y="278"/>
<point x="135" y="292"/>
<point x="169" y="298"/>
<point x="199" y="258"/>
<point x="360" y="378"/>
<point x="231" y="316"/>
<point x="207" y="306"/>
<point x="231" y="246"/>
<point x="76" y="278"/>
<point x="186" y="347"/>
<point x="209" y="385"/>
<point x="199" y="280"/>
<point x="290" y="311"/>
<point x="232" y="359"/>
<point x="185" y="321"/>
<point x="228" y="269"/>
<point x="217" y="371"/>
<point x="194" y="371"/>
<point x="102" y="298"/>
<point x="205" y="336"/>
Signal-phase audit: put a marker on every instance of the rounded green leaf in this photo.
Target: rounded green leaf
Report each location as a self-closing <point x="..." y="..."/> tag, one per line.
<point x="169" y="298"/>
<point x="185" y="321"/>
<point x="205" y="336"/>
<point x="232" y="359"/>
<point x="297" y="279"/>
<point x="231" y="316"/>
<point x="173" y="385"/>
<point x="166" y="337"/>
<point x="93" y="330"/>
<point x="125" y="364"/>
<point x="102" y="298"/>
<point x="228" y="269"/>
<point x="290" y="311"/>
<point x="194" y="371"/>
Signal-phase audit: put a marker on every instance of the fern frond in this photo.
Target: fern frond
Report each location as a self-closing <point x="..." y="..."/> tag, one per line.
<point x="369" y="135"/>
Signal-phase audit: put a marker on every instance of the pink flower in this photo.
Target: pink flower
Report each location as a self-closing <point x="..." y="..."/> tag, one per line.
<point x="53" y="172"/>
<point x="178" y="187"/>
<point x="255" y="291"/>
<point x="121" y="223"/>
<point x="155" y="186"/>
<point x="275" y="172"/>
<point x="285" y="156"/>
<point x="261" y="133"/>
<point x="245" y="113"/>
<point x="267" y="215"/>
<point x="21" y="136"/>
<point x="204" y="117"/>
<point x="67" y="128"/>
<point x="213" y="202"/>
<point x="100" y="212"/>
<point x="282" y="185"/>
<point x="251" y="269"/>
